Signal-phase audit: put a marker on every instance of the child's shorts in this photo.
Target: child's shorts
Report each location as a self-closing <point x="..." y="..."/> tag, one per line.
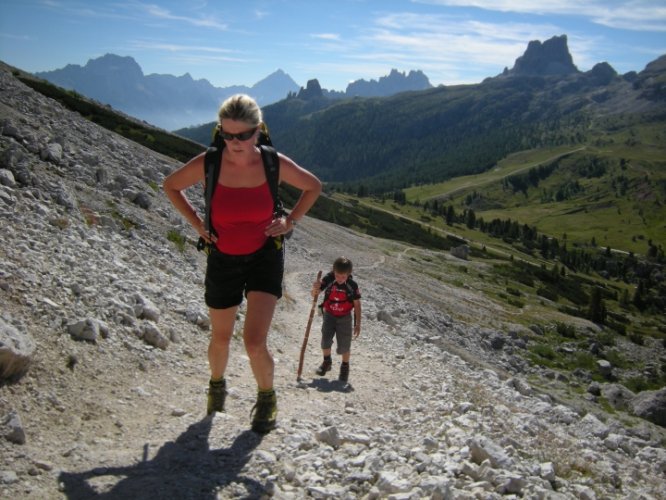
<point x="338" y="327"/>
<point x="229" y="277"/>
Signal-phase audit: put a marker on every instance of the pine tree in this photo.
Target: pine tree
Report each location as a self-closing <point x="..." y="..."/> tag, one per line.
<point x="597" y="309"/>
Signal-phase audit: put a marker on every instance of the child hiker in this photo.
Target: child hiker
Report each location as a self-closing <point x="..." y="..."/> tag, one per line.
<point x="341" y="297"/>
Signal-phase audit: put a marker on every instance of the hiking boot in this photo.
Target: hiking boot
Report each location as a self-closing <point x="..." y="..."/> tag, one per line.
<point x="344" y="372"/>
<point x="217" y="393"/>
<point x="264" y="412"/>
<point x="325" y="367"/>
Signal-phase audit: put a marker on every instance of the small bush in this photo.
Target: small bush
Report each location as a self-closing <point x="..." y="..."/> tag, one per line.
<point x="585" y="360"/>
<point x="617" y="327"/>
<point x="177" y="238"/>
<point x="636" y="384"/>
<point x="516" y="303"/>
<point x="568" y="331"/>
<point x="637" y="338"/>
<point x="544" y="351"/>
<point x="616" y="358"/>
<point x="606" y="338"/>
<point x="547" y="294"/>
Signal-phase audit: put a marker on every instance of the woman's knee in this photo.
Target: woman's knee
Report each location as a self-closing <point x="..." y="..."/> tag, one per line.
<point x="255" y="344"/>
<point x="221" y="336"/>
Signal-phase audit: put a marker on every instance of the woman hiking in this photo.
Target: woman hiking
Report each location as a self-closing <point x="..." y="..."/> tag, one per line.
<point x="247" y="256"/>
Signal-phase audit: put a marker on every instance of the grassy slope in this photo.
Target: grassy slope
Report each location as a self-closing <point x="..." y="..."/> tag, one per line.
<point x="621" y="220"/>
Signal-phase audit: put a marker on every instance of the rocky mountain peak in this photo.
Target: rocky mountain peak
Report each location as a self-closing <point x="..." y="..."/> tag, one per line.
<point x="311" y="91"/>
<point x="603" y="73"/>
<point x="390" y="84"/>
<point x="550" y="58"/>
<point x="656" y="66"/>
<point x="112" y="63"/>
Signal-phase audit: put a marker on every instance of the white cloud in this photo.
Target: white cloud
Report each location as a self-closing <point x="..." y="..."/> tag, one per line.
<point x="449" y="49"/>
<point x="443" y="39"/>
<point x="637" y="15"/>
<point x="172" y="47"/>
<point x="326" y="36"/>
<point x="160" y="13"/>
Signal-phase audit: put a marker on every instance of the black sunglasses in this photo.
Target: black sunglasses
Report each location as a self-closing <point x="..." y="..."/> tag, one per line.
<point x="242" y="136"/>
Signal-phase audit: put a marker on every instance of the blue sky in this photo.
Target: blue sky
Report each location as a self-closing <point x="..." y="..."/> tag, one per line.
<point x="337" y="41"/>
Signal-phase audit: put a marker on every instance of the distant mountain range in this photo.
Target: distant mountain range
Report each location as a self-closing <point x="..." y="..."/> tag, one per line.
<point x="173" y="102"/>
<point x="414" y="138"/>
<point x="167" y="101"/>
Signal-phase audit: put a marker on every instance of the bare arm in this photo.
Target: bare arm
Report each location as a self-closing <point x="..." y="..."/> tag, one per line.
<point x="300" y="178"/>
<point x="310" y="187"/>
<point x="357" y="318"/>
<point x="188" y="175"/>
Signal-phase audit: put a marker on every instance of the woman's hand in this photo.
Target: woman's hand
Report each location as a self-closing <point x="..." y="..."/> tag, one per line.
<point x="279" y="226"/>
<point x="201" y="230"/>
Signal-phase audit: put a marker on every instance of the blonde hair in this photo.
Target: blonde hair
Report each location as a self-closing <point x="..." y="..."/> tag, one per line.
<point x="242" y="108"/>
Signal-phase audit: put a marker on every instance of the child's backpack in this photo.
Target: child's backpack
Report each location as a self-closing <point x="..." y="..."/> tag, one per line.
<point x="212" y="164"/>
<point x="327" y="291"/>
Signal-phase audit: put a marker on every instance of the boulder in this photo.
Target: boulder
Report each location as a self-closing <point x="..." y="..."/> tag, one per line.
<point x="16" y="351"/>
<point x="651" y="405"/>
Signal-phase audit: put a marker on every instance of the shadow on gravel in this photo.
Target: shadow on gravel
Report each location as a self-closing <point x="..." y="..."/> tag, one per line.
<point x="326" y="385"/>
<point x="182" y="469"/>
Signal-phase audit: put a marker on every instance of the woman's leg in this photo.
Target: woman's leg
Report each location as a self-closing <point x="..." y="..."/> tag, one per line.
<point x="258" y="317"/>
<point x="222" y="326"/>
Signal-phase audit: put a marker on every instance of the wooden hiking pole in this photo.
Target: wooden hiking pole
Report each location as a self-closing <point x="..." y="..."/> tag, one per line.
<point x="307" y="331"/>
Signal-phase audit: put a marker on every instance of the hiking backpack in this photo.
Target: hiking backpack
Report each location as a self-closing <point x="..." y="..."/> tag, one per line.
<point x="327" y="290"/>
<point x="213" y="163"/>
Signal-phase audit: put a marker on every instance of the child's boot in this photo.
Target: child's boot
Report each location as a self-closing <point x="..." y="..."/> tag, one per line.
<point x="325" y="366"/>
<point x="344" y="372"/>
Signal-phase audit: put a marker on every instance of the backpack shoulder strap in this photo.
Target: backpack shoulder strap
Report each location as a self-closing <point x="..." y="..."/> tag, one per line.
<point x="271" y="163"/>
<point x="327" y="281"/>
<point x="351" y="287"/>
<point x="212" y="162"/>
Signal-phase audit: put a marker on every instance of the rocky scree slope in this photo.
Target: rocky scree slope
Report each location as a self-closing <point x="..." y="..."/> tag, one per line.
<point x="103" y="353"/>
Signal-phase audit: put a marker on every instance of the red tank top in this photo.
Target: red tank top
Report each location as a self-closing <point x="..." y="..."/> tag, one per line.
<point x="240" y="216"/>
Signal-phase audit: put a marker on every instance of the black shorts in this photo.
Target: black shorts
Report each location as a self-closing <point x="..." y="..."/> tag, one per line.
<point x="229" y="277"/>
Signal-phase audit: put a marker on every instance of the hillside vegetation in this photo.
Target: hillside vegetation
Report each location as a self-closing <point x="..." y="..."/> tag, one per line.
<point x="577" y="229"/>
<point x="140" y="132"/>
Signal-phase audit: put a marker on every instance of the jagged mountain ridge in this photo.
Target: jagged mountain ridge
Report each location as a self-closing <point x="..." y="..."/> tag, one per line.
<point x="433" y="135"/>
<point x="164" y="100"/>
<point x="113" y="398"/>
<point x="394" y="83"/>
<point x="174" y="102"/>
<point x="428" y="136"/>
